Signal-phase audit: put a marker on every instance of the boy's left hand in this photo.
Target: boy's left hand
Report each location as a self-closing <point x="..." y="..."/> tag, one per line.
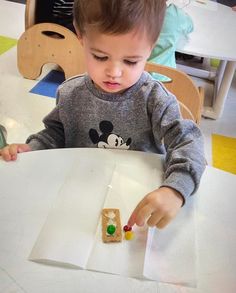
<point x="157" y="208"/>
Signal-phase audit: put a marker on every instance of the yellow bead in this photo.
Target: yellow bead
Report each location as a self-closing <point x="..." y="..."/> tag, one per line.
<point x="129" y="235"/>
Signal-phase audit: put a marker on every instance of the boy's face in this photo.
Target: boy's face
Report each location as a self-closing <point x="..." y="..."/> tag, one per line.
<point x="115" y="62"/>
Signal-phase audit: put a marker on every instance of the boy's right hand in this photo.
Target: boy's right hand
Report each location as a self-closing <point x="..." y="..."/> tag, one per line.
<point x="9" y="152"/>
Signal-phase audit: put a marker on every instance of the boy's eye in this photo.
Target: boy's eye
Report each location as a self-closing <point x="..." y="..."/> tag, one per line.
<point x="100" y="58"/>
<point x="128" y="62"/>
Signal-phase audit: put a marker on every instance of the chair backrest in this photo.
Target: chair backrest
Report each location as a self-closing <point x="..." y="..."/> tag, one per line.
<point x="36" y="47"/>
<point x="189" y="96"/>
<point x="30" y="13"/>
<point x="38" y="12"/>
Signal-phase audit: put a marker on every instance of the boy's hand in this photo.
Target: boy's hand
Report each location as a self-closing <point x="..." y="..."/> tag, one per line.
<point x="157" y="208"/>
<point x="9" y="152"/>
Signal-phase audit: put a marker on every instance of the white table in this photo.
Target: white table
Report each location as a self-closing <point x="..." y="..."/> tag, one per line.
<point x="214" y="36"/>
<point x="30" y="185"/>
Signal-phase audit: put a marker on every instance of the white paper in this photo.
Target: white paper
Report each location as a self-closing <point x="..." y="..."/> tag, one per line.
<point x="68" y="234"/>
<point x="72" y="234"/>
<point x="171" y="252"/>
<point x="127" y="188"/>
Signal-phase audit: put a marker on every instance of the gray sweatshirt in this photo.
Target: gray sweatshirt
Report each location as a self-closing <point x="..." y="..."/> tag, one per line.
<point x="145" y="118"/>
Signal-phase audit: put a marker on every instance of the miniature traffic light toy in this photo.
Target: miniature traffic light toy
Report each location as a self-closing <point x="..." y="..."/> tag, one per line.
<point x="111" y="227"/>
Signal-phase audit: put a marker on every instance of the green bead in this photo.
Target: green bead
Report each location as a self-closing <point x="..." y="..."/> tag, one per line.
<point x="111" y="229"/>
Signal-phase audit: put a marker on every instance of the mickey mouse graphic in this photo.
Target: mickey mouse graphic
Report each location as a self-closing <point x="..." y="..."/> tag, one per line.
<point x="107" y="139"/>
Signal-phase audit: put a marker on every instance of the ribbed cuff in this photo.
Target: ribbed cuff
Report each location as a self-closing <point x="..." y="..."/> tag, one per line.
<point x="35" y="145"/>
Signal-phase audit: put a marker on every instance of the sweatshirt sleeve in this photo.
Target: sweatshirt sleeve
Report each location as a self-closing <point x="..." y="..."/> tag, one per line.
<point x="53" y="134"/>
<point x="183" y="142"/>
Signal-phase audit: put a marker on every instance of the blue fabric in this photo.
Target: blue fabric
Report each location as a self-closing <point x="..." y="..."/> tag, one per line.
<point x="177" y="24"/>
<point x="49" y="84"/>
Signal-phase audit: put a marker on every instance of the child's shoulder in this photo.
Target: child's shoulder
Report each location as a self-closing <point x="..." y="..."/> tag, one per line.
<point x="158" y="93"/>
<point x="71" y="87"/>
<point x="156" y="85"/>
<point x="74" y="81"/>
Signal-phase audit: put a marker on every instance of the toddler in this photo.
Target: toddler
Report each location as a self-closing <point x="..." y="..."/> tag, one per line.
<point x="116" y="104"/>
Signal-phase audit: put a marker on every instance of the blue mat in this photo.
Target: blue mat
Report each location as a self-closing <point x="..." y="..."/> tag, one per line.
<point x="49" y="84"/>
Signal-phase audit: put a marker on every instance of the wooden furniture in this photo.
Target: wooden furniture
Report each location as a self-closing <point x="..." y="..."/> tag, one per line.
<point x="46" y="42"/>
<point x="38" y="12"/>
<point x="212" y="38"/>
<point x="49" y="43"/>
<point x="190" y="97"/>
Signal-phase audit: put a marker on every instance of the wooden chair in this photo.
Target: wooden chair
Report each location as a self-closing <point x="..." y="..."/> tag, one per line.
<point x="189" y="96"/>
<point x="38" y="11"/>
<point x="45" y="42"/>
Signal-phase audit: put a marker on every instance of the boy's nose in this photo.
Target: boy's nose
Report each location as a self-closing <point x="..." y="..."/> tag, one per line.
<point x="114" y="71"/>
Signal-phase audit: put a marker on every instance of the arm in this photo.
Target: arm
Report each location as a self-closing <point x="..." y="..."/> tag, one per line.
<point x="51" y="137"/>
<point x="183" y="142"/>
<point x="53" y="134"/>
<point x="184" y="165"/>
<point x="9" y="152"/>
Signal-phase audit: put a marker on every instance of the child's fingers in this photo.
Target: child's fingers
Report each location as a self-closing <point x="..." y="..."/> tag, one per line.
<point x="5" y="154"/>
<point x="159" y="219"/>
<point x="13" y="150"/>
<point x="141" y="213"/>
<point x="163" y="222"/>
<point x="132" y="218"/>
<point x="9" y="153"/>
<point x="155" y="219"/>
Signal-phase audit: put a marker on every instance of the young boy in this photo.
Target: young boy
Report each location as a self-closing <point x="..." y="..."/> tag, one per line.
<point x="118" y="105"/>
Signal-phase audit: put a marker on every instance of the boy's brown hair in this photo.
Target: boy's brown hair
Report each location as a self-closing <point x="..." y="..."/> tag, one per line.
<point x="120" y="16"/>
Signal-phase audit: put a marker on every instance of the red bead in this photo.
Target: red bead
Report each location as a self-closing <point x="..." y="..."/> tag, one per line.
<point x="127" y="228"/>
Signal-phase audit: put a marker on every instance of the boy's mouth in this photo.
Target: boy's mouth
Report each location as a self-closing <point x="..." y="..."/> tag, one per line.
<point x="111" y="85"/>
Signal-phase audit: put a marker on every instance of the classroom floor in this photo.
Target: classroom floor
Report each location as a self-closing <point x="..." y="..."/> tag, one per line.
<point x="21" y="111"/>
